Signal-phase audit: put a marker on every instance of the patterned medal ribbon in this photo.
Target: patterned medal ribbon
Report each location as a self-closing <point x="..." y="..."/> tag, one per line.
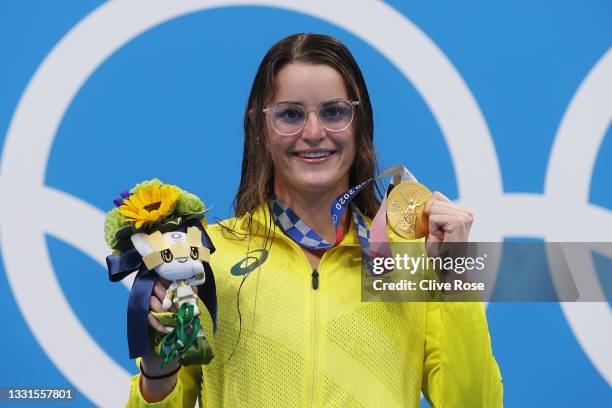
<point x="303" y="235"/>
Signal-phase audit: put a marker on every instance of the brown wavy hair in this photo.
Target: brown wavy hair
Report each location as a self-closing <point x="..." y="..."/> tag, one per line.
<point x="257" y="178"/>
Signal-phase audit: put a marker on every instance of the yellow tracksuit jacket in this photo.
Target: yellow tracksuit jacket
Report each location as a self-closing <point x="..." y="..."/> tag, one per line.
<point x="307" y="347"/>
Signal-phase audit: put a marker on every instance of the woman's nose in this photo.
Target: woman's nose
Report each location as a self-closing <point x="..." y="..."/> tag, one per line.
<point x="312" y="127"/>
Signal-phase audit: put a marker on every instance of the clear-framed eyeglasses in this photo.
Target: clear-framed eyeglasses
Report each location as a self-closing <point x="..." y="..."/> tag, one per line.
<point x="288" y="118"/>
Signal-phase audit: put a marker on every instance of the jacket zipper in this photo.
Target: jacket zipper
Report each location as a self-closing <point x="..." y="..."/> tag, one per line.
<point x="315" y="279"/>
<point x="315" y="333"/>
<point x="314" y="325"/>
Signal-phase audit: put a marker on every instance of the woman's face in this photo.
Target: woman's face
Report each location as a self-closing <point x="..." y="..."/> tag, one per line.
<point x="309" y="85"/>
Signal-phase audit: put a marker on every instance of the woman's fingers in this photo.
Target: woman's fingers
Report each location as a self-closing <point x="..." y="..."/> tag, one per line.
<point x="447" y="221"/>
<point x="159" y="291"/>
<point x="154" y="323"/>
<point x="436" y="197"/>
<point x="156" y="305"/>
<point x="441" y="197"/>
<point x="442" y="207"/>
<point x="164" y="282"/>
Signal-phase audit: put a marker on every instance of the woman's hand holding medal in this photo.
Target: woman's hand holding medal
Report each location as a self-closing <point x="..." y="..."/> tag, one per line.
<point x="414" y="212"/>
<point x="447" y="221"/>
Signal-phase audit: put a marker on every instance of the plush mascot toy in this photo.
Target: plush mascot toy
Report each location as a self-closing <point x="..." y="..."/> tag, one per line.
<point x="157" y="230"/>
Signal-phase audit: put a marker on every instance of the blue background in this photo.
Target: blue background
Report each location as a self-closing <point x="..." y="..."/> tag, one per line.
<point x="185" y="82"/>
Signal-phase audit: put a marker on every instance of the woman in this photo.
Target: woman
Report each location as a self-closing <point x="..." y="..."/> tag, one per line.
<point x="292" y="329"/>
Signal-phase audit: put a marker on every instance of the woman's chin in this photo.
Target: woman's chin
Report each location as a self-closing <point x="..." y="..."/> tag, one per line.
<point x="299" y="179"/>
<point x="322" y="185"/>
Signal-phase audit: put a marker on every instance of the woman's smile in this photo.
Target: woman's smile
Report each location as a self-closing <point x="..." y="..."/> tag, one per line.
<point x="314" y="156"/>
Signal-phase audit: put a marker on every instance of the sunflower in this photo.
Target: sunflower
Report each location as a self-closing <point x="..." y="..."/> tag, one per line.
<point x="149" y="202"/>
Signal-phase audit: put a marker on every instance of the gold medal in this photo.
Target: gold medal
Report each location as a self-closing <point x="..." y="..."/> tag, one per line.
<point x="405" y="210"/>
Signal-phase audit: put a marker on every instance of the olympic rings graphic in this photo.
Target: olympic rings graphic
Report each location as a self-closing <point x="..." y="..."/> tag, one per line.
<point x="67" y="68"/>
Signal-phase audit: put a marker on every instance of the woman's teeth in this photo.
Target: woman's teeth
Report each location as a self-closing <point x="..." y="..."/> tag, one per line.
<point x="313" y="155"/>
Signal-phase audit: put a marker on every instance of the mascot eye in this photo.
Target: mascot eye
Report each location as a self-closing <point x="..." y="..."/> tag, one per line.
<point x="166" y="255"/>
<point x="194" y="253"/>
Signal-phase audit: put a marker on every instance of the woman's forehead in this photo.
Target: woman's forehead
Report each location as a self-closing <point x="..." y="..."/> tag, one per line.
<point x="308" y="84"/>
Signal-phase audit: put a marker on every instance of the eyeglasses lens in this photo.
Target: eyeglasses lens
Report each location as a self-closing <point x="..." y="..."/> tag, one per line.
<point x="336" y="115"/>
<point x="289" y="118"/>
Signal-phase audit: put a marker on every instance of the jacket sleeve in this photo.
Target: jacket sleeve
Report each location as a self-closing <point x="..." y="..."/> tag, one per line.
<point x="459" y="367"/>
<point x="184" y="394"/>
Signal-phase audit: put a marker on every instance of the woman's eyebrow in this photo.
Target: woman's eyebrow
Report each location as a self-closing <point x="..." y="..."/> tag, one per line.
<point x="293" y="102"/>
<point x="331" y="99"/>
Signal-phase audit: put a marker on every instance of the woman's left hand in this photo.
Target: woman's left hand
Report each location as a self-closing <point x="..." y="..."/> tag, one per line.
<point x="447" y="221"/>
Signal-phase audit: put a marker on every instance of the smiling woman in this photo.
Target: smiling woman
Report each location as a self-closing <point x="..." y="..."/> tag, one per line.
<point x="304" y="71"/>
<point x="297" y="333"/>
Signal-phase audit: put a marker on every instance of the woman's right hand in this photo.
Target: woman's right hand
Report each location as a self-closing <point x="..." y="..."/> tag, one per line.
<point x="156" y="304"/>
<point x="157" y="390"/>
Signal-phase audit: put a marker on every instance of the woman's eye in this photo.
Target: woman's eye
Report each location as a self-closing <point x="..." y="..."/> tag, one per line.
<point x="290" y="114"/>
<point x="334" y="112"/>
<point x="195" y="254"/>
<point x="166" y="255"/>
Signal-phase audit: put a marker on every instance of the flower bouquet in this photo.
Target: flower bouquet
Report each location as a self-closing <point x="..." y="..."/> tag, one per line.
<point x="157" y="230"/>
